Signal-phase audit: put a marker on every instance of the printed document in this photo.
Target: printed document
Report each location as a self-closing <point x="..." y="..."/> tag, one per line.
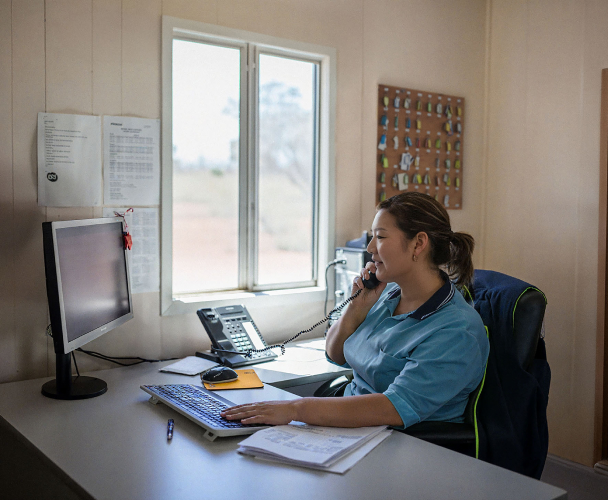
<point x="131" y="148"/>
<point x="69" y="160"/>
<point x="344" y="463"/>
<point x="143" y="226"/>
<point x="308" y="445"/>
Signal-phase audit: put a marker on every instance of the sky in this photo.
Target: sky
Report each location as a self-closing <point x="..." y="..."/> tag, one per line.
<point x="201" y="127"/>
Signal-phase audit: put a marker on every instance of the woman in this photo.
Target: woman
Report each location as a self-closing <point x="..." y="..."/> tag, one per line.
<point x="417" y="349"/>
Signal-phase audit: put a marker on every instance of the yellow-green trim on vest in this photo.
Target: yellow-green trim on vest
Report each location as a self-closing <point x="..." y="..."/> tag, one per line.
<point x="483" y="380"/>
<point x="466" y="293"/>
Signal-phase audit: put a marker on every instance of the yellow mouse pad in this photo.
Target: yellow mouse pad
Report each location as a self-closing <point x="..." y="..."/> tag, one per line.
<point x="248" y="379"/>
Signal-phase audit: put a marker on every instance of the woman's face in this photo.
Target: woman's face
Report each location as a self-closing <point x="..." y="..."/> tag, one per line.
<point x="390" y="248"/>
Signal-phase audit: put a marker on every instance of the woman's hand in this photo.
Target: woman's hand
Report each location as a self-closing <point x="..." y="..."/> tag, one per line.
<point x="268" y="412"/>
<point x="368" y="296"/>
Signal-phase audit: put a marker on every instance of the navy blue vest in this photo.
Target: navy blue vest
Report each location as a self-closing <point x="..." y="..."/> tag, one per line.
<point x="512" y="408"/>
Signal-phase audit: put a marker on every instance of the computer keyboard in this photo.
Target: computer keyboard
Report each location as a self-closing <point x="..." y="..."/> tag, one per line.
<point x="200" y="406"/>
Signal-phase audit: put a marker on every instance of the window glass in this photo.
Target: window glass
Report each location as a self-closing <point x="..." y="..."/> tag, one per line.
<point x="286" y="159"/>
<point x="206" y="90"/>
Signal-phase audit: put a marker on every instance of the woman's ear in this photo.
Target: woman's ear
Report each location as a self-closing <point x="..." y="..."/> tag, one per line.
<point x="421" y="241"/>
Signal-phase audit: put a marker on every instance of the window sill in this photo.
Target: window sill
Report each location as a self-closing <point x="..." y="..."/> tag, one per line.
<point x="188" y="304"/>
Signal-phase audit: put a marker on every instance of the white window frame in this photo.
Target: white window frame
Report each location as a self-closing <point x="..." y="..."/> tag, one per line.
<point x="173" y="28"/>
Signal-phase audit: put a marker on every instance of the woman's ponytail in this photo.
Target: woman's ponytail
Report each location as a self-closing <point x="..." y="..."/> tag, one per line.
<point x="460" y="266"/>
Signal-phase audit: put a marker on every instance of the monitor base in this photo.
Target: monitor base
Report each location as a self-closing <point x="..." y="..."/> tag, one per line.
<point x="80" y="388"/>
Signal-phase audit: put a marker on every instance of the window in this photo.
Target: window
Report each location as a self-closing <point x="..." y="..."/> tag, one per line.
<point x="247" y="166"/>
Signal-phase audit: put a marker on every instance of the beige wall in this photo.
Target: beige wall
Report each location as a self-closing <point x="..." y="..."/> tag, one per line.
<point x="531" y="78"/>
<point x="542" y="185"/>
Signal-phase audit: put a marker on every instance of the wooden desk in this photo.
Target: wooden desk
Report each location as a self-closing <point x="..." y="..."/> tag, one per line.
<point x="115" y="447"/>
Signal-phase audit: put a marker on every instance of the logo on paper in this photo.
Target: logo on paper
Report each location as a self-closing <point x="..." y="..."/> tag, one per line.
<point x="51" y="176"/>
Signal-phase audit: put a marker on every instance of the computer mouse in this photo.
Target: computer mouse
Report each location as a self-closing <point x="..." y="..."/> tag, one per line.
<point x="219" y="375"/>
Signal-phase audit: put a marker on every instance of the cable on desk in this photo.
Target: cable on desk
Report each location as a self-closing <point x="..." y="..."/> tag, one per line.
<point x="75" y="364"/>
<point x="112" y="359"/>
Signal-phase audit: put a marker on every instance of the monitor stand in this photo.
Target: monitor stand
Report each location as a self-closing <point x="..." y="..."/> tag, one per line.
<point x="67" y="386"/>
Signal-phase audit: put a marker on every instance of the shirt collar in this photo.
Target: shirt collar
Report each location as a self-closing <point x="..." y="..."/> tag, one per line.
<point x="439" y="298"/>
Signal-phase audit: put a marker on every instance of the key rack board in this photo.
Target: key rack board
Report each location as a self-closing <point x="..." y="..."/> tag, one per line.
<point x="420" y="144"/>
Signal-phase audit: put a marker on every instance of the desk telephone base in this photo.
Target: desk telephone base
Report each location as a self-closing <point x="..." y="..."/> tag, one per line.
<point x="231" y="328"/>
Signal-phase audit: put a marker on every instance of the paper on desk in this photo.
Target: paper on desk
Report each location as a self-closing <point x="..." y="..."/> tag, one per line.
<point x="348" y="462"/>
<point x="295" y="355"/>
<point x="298" y="361"/>
<point x="298" y="355"/>
<point x="192" y="365"/>
<point x="318" y="345"/>
<point x="345" y="463"/>
<point x="307" y="445"/>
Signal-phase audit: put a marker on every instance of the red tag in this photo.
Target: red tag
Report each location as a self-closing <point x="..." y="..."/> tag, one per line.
<point x="128" y="241"/>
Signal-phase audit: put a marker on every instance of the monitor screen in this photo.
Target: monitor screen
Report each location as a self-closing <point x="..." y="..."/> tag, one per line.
<point x="89" y="264"/>
<point x="93" y="272"/>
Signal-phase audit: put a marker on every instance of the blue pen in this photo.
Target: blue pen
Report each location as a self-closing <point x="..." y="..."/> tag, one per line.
<point x="170" y="429"/>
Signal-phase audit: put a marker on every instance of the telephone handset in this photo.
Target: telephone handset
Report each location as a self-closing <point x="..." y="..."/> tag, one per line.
<point x="233" y="333"/>
<point x="235" y="339"/>
<point x="372" y="282"/>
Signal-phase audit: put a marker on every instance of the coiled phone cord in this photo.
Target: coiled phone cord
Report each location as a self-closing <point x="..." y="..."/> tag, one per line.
<point x="249" y="352"/>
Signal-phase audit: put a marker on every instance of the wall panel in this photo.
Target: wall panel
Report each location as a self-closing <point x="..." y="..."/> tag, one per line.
<point x="141" y="27"/>
<point x="28" y="99"/>
<point x="107" y="57"/>
<point x="596" y="60"/>
<point x="7" y="222"/>
<point x="69" y="56"/>
<point x="435" y="46"/>
<point x="543" y="172"/>
<point x="204" y="11"/>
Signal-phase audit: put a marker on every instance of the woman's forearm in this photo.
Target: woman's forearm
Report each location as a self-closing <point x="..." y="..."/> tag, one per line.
<point x="350" y="411"/>
<point x="339" y="332"/>
<point x="353" y="315"/>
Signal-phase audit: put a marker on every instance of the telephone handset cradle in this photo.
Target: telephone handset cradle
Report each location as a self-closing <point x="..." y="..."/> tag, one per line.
<point x="231" y="329"/>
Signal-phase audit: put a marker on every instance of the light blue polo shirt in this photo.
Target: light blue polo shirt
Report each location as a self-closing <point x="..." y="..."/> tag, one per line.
<point x="425" y="362"/>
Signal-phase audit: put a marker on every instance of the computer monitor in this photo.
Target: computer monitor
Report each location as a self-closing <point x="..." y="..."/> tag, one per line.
<point x="88" y="291"/>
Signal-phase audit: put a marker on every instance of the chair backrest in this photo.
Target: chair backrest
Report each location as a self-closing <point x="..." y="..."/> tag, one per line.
<point x="528" y="324"/>
<point x="527" y="321"/>
<point x="512" y="407"/>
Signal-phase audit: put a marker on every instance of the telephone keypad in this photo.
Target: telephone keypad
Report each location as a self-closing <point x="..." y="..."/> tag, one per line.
<point x="238" y="336"/>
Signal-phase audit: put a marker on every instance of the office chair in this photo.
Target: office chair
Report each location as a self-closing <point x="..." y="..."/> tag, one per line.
<point x="512" y="408"/>
<point x="333" y="388"/>
<point x="516" y="381"/>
